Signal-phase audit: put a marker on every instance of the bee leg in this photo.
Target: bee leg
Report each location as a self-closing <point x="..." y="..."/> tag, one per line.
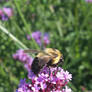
<point x="50" y="73"/>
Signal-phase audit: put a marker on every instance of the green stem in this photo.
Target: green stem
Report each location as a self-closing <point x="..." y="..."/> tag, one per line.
<point x="59" y="28"/>
<point x="25" y="23"/>
<point x="22" y="17"/>
<point x="13" y="37"/>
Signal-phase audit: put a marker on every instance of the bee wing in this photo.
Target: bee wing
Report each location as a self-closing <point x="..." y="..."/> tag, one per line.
<point x="32" y="51"/>
<point x="42" y="51"/>
<point x="44" y="60"/>
<point x="35" y="51"/>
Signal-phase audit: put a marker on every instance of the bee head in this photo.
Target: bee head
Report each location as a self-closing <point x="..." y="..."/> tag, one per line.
<point x="61" y="60"/>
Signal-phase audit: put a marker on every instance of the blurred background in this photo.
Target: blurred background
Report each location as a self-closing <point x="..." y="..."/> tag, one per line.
<point x="67" y="25"/>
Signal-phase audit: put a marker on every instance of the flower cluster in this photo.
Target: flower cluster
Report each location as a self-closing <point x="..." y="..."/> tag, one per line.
<point x="5" y="13"/>
<point x="53" y="80"/>
<point x="39" y="38"/>
<point x="24" y="58"/>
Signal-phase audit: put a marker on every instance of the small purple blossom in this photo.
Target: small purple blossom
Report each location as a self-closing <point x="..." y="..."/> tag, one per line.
<point x="46" y="39"/>
<point x="89" y="1"/>
<point x="28" y="37"/>
<point x="6" y="13"/>
<point x="23" y="86"/>
<point x="4" y="17"/>
<point x="24" y="58"/>
<point x="31" y="75"/>
<point x="1" y="12"/>
<point x="37" y="36"/>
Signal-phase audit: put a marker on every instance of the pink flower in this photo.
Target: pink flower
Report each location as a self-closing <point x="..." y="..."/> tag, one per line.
<point x="8" y="11"/>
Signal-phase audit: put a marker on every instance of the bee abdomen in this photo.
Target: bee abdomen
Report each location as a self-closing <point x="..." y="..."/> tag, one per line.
<point x="35" y="66"/>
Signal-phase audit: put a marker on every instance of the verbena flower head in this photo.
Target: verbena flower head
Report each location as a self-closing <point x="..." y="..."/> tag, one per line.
<point x="6" y="13"/>
<point x="37" y="36"/>
<point x="24" y="58"/>
<point x="54" y="80"/>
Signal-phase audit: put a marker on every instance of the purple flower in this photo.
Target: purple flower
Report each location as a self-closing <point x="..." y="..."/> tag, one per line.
<point x="8" y="12"/>
<point x="28" y="37"/>
<point x="46" y="39"/>
<point x="31" y="75"/>
<point x="2" y="15"/>
<point x="22" y="82"/>
<point x="24" y="58"/>
<point x="89" y="1"/>
<point x="37" y="36"/>
<point x="1" y="12"/>
<point x="23" y="86"/>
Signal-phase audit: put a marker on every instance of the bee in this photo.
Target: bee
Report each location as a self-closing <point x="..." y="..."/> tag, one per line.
<point x="48" y="57"/>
